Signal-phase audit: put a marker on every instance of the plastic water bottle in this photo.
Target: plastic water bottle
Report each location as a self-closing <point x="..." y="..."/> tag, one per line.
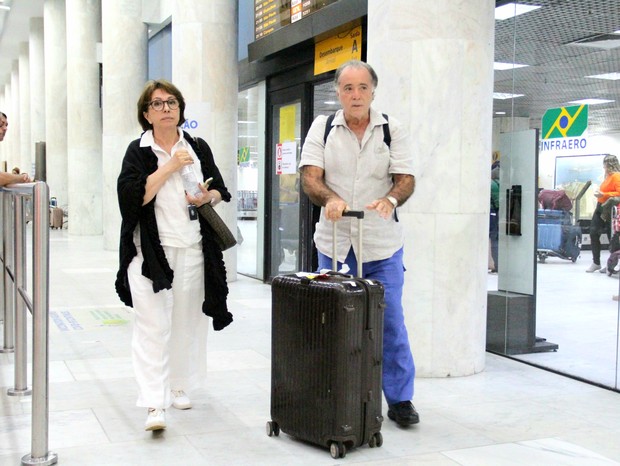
<point x="190" y="181"/>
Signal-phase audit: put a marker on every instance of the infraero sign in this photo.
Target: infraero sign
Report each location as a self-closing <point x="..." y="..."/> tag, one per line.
<point x="563" y="129"/>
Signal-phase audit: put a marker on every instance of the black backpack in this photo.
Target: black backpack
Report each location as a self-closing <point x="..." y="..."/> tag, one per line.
<point x="387" y="138"/>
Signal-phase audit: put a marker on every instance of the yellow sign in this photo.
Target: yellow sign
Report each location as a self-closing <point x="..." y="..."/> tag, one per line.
<point x="333" y="52"/>
<point x="287" y="123"/>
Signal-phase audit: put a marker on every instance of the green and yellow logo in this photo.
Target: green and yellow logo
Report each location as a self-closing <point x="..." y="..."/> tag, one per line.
<point x="243" y="155"/>
<point x="565" y="122"/>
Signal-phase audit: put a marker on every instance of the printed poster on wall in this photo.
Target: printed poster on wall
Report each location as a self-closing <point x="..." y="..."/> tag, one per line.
<point x="286" y="158"/>
<point x="198" y="119"/>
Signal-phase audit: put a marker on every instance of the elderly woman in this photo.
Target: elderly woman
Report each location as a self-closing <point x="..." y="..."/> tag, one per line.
<point x="171" y="269"/>
<point x="610" y="187"/>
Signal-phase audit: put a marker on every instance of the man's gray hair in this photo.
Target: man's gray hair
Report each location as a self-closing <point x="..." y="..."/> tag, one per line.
<point x="356" y="64"/>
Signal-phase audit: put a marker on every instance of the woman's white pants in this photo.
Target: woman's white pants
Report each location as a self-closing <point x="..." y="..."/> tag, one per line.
<point x="169" y="341"/>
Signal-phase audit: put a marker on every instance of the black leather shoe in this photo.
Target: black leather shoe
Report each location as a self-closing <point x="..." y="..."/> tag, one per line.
<point x="403" y="413"/>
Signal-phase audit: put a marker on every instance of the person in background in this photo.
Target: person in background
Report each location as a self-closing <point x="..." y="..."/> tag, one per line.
<point x="493" y="218"/>
<point x="9" y="178"/>
<point x="4" y="125"/>
<point x="356" y="169"/>
<point x="610" y="187"/>
<point x="171" y="268"/>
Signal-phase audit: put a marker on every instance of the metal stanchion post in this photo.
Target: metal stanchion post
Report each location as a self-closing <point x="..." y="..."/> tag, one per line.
<point x="40" y="317"/>
<point x="7" y="279"/>
<point x="21" y="330"/>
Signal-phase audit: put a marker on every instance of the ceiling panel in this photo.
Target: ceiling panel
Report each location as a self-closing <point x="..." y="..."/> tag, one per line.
<point x="558" y="68"/>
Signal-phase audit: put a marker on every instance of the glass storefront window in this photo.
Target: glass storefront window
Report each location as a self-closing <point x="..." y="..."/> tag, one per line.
<point x="559" y="90"/>
<point x="250" y="180"/>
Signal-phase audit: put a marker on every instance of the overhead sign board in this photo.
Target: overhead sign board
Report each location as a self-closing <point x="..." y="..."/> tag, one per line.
<point x="271" y="15"/>
<point x="330" y="53"/>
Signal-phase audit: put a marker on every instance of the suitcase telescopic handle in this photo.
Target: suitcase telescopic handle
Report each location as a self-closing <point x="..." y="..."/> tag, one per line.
<point x="359" y="214"/>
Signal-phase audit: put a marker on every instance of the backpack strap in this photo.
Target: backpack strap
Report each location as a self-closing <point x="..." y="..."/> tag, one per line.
<point x="328" y="127"/>
<point x="387" y="137"/>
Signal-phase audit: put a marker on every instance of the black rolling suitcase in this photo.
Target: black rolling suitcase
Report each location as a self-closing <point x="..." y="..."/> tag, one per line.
<point x="326" y="359"/>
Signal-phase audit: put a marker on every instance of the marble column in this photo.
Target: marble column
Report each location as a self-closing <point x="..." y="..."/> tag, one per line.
<point x="84" y="117"/>
<point x="37" y="86"/>
<point x="55" y="49"/>
<point x="124" y="51"/>
<point x="434" y="61"/>
<point x="204" y="67"/>
<point x="24" y="158"/>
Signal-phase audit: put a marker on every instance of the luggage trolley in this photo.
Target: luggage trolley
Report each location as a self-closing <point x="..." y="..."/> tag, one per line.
<point x="558" y="236"/>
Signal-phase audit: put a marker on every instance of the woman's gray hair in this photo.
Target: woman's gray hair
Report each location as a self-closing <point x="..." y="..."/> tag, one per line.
<point x="611" y="162"/>
<point x="356" y="64"/>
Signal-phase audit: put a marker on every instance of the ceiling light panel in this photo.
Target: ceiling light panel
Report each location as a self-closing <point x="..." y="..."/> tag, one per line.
<point x="510" y="10"/>
<point x="609" y="76"/>
<point x="591" y="101"/>
<point x="501" y="66"/>
<point x="505" y="95"/>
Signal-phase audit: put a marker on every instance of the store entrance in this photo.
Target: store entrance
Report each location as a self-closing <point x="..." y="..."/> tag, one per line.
<point x="284" y="146"/>
<point x="291" y="214"/>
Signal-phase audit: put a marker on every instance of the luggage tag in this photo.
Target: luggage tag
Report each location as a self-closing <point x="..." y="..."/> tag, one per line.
<point x="312" y="276"/>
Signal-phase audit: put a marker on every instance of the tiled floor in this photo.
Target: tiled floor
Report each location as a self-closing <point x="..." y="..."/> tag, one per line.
<point x="510" y="414"/>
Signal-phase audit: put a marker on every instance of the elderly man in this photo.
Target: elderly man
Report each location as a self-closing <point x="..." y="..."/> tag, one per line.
<point x="353" y="164"/>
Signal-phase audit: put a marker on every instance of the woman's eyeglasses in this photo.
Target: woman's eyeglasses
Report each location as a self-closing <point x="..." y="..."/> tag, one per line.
<point x="158" y="105"/>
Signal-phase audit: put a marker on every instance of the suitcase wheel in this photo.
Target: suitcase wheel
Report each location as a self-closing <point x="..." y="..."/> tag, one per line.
<point x="337" y="450"/>
<point x="376" y="440"/>
<point x="273" y="428"/>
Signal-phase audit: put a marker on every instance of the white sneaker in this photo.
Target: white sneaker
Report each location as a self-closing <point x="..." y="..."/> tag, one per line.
<point x="603" y="270"/>
<point x="156" y="419"/>
<point x="593" y="268"/>
<point x="181" y="400"/>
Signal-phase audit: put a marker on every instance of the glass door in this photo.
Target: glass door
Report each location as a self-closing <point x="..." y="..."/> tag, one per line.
<point x="284" y="193"/>
<point x="292" y="217"/>
<point x="250" y="181"/>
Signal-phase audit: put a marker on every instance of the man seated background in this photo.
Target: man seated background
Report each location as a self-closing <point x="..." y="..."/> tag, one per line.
<point x="9" y="178"/>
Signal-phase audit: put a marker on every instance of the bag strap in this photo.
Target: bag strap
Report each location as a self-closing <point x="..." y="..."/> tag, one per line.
<point x="387" y="137"/>
<point x="328" y="127"/>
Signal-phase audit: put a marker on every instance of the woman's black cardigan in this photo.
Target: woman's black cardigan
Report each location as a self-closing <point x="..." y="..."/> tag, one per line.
<point x="138" y="164"/>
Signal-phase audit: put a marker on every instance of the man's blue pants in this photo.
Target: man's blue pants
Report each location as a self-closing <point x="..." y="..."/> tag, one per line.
<point x="398" y="365"/>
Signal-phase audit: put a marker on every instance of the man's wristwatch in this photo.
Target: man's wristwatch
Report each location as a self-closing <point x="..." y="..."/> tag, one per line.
<point x="393" y="200"/>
